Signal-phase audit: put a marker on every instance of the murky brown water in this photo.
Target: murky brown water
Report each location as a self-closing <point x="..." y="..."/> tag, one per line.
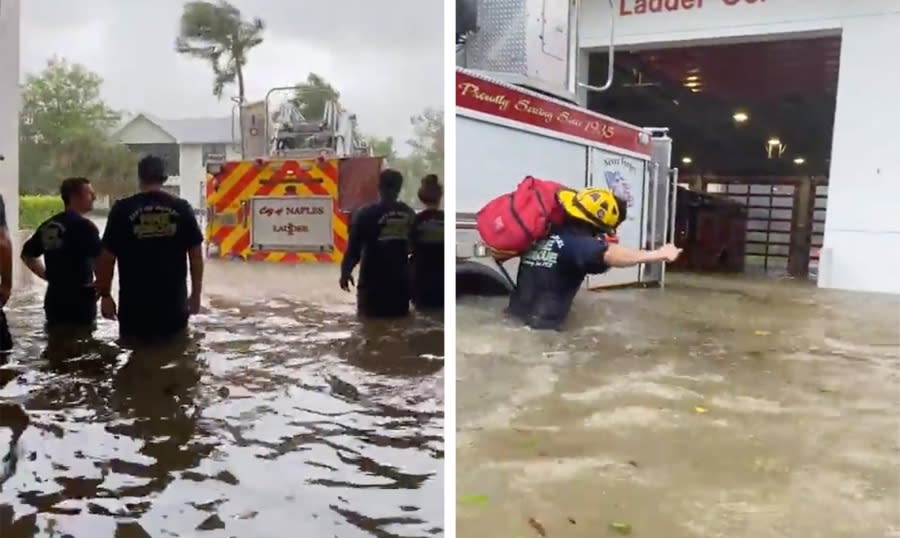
<point x="719" y="408"/>
<point x="281" y="417"/>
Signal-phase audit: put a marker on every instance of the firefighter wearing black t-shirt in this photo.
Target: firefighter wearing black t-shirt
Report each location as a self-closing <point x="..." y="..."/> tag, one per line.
<point x="5" y="277"/>
<point x="152" y="236"/>
<point x="379" y="243"/>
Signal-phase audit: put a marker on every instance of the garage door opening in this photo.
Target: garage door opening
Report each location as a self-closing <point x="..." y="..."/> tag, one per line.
<point x="752" y="122"/>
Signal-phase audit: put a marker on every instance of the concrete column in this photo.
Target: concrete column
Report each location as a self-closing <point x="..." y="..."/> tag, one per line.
<point x="9" y="111"/>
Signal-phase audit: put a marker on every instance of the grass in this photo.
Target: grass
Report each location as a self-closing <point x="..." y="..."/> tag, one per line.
<point x="35" y="209"/>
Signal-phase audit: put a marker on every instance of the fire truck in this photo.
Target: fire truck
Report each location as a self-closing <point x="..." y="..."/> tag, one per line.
<point x="289" y="196"/>
<point x="518" y="114"/>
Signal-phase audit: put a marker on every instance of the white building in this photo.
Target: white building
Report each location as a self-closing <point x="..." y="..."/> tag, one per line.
<point x="9" y="109"/>
<point x="861" y="249"/>
<point x="185" y="145"/>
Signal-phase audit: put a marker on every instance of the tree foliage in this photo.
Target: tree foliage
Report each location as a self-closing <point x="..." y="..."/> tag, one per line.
<point x="64" y="128"/>
<point x="310" y="96"/>
<point x="217" y="33"/>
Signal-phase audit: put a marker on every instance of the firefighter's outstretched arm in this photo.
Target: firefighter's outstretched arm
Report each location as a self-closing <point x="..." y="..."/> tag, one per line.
<point x="354" y="250"/>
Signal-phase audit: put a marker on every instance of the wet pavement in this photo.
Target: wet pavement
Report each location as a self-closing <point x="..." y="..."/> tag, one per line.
<point x="719" y="408"/>
<point x="281" y="416"/>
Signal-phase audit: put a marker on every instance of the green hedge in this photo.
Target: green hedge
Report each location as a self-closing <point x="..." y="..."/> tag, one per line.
<point x="35" y="209"/>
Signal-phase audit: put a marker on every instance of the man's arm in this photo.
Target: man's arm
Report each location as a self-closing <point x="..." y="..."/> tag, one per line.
<point x="32" y="251"/>
<point x="619" y="256"/>
<point x="6" y="256"/>
<point x="194" y="243"/>
<point x="105" y="266"/>
<point x="354" y="244"/>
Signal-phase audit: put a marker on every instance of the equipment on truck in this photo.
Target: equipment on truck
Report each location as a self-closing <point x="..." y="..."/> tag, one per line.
<point x="518" y="115"/>
<point x="289" y="196"/>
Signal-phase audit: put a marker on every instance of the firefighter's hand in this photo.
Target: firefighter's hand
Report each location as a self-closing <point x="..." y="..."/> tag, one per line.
<point x="108" y="307"/>
<point x="346" y="282"/>
<point x="669" y="252"/>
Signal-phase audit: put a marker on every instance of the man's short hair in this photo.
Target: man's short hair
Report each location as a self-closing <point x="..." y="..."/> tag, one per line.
<point x="390" y="182"/>
<point x="152" y="169"/>
<point x="71" y="187"/>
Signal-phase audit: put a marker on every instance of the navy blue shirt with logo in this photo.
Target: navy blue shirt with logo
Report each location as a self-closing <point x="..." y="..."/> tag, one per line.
<point x="427" y="240"/>
<point x="69" y="244"/>
<point x="550" y="275"/>
<point x="379" y="241"/>
<point x="150" y="234"/>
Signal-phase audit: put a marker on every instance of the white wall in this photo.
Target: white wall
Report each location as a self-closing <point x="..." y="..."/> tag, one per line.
<point x="862" y="230"/>
<point x="193" y="174"/>
<point x="9" y="110"/>
<point x="143" y="131"/>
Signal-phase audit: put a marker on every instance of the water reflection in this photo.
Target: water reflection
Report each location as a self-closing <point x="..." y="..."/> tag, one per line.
<point x="272" y="418"/>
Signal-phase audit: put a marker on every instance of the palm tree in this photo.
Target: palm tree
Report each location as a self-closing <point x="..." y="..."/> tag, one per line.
<point x="217" y="33"/>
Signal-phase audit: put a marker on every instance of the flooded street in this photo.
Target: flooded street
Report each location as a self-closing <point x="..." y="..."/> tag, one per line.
<point x="282" y="416"/>
<point x="720" y="408"/>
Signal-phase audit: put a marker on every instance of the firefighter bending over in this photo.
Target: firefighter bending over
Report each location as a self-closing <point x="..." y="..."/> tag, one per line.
<point x="551" y="273"/>
<point x="69" y="243"/>
<point x="379" y="243"/>
<point x="152" y="235"/>
<point x="427" y="242"/>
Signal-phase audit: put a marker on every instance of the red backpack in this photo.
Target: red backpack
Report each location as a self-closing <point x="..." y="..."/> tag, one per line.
<point x="511" y="223"/>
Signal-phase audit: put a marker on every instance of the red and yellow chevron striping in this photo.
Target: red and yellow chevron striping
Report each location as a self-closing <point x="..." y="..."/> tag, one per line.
<point x="229" y="192"/>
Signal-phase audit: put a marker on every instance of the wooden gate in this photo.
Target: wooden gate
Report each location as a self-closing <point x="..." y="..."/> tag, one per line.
<point x="785" y="219"/>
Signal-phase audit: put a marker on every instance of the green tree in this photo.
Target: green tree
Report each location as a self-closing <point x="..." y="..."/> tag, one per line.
<point x="217" y="32"/>
<point x="428" y="141"/>
<point x="310" y="96"/>
<point x="60" y="105"/>
<point x="383" y="147"/>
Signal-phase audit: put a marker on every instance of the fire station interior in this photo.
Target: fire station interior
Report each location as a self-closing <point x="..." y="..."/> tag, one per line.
<point x="752" y="127"/>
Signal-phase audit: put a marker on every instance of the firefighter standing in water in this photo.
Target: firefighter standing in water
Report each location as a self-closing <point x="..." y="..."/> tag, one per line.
<point x="153" y="235"/>
<point x="427" y="242"/>
<point x="379" y="242"/>
<point x="69" y="243"/>
<point x="551" y="273"/>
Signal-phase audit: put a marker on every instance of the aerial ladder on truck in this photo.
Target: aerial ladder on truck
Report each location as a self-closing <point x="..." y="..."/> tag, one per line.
<point x="520" y="110"/>
<point x="289" y="196"/>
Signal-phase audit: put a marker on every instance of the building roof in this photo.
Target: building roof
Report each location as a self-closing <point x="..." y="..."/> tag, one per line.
<point x="190" y="130"/>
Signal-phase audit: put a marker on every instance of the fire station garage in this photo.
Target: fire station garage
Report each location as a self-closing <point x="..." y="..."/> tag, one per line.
<point x="786" y="109"/>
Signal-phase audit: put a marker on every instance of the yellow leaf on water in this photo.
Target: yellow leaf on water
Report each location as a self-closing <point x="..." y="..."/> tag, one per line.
<point x="621" y="528"/>
<point x="699" y="409"/>
<point x="473" y="499"/>
<point x="761" y="333"/>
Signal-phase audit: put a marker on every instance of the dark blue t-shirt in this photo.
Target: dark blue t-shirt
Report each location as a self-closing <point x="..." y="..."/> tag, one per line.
<point x="69" y="243"/>
<point x="379" y="242"/>
<point x="550" y="275"/>
<point x="427" y="241"/>
<point x="150" y="234"/>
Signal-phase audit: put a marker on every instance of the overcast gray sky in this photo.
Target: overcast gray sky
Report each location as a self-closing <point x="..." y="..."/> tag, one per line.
<point x="384" y="56"/>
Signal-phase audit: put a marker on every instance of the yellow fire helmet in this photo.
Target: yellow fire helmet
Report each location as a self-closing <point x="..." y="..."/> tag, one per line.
<point x="593" y="205"/>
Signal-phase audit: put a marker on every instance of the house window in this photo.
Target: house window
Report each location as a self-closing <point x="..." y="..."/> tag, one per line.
<point x="169" y="153"/>
<point x="215" y="150"/>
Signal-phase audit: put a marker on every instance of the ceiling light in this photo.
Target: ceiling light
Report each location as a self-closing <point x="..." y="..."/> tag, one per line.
<point x="692" y="84"/>
<point x="799" y="160"/>
<point x="774" y="141"/>
<point x="740" y="117"/>
<point x="687" y="160"/>
<point x="692" y="78"/>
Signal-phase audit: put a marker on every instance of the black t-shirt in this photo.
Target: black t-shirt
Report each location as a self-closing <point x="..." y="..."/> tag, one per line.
<point x="379" y="241"/>
<point x="150" y="234"/>
<point x="69" y="243"/>
<point x="427" y="241"/>
<point x="550" y="275"/>
<point x="2" y="212"/>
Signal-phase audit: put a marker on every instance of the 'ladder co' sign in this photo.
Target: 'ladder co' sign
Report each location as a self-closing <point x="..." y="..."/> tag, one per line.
<point x="641" y="7"/>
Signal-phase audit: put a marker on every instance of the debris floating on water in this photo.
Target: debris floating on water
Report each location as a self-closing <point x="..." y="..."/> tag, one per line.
<point x="621" y="528"/>
<point x="536" y="525"/>
<point x="761" y="333"/>
<point x="700" y="409"/>
<point x="473" y="499"/>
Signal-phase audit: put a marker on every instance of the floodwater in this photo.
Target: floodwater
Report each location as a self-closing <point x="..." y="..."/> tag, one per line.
<point x="282" y="416"/>
<point x="717" y="408"/>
